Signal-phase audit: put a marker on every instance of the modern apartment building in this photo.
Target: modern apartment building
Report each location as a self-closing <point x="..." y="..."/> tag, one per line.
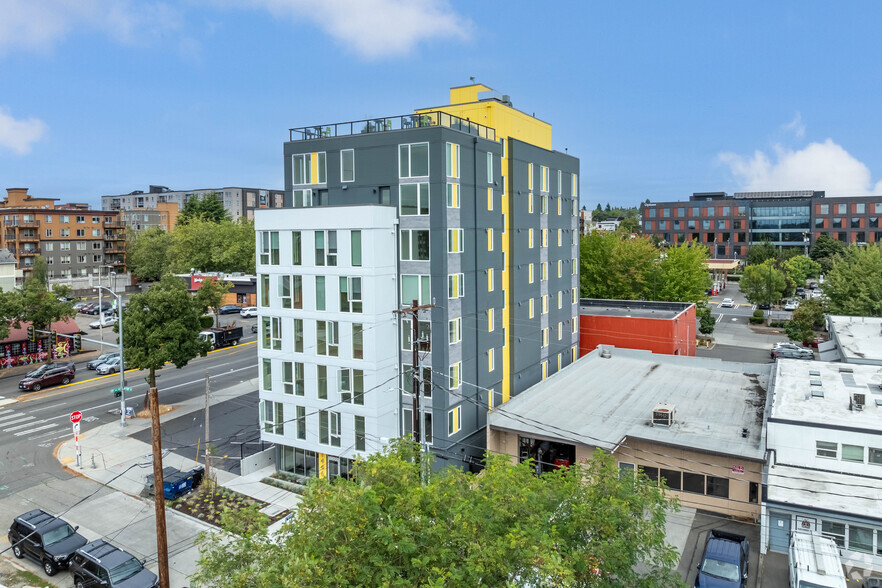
<point x="471" y="212"/>
<point x="164" y="216"/>
<point x="74" y="240"/>
<point x="239" y="202"/>
<point x="728" y="225"/>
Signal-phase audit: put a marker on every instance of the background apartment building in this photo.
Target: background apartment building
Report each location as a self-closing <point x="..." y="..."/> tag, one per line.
<point x="728" y="225"/>
<point x="239" y="202"/>
<point x="74" y="240"/>
<point x="485" y="222"/>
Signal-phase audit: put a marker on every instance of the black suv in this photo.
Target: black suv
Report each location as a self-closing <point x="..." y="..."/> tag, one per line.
<point x="46" y="539"/>
<point x="101" y="564"/>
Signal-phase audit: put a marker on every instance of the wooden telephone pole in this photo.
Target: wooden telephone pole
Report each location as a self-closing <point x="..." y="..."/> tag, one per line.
<point x="158" y="492"/>
<point x="413" y="311"/>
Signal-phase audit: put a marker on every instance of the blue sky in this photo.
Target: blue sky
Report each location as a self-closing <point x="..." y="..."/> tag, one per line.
<point x="657" y="99"/>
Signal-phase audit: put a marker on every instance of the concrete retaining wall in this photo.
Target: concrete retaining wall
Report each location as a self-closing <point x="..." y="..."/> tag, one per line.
<point x="258" y="461"/>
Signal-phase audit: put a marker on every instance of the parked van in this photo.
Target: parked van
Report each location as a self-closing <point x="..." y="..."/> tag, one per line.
<point x="814" y="562"/>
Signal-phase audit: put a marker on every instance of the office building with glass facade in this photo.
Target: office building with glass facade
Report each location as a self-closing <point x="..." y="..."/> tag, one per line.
<point x="729" y="224"/>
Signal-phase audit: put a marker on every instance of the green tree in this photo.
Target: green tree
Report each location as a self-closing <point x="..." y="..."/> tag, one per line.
<point x="763" y="283"/>
<point x="208" y="207"/>
<point x="147" y="253"/>
<point x="162" y="326"/>
<point x="683" y="274"/>
<point x="38" y="305"/>
<point x="854" y="283"/>
<point x="629" y="225"/>
<point x="806" y="318"/>
<point x="10" y="310"/>
<point x="706" y="320"/>
<point x="801" y="268"/>
<point x="211" y="296"/>
<point x="824" y="251"/>
<point x="213" y="247"/>
<point x="613" y="265"/>
<point x="396" y="525"/>
<point x="758" y="253"/>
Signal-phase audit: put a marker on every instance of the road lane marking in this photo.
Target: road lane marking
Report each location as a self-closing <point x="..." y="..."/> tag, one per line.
<point x="7" y="411"/>
<point x="17" y="427"/>
<point x="720" y="317"/>
<point x="17" y="415"/>
<point x="29" y="431"/>
<point x="5" y="401"/>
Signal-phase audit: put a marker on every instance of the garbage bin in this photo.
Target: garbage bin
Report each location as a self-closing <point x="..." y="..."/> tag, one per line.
<point x="130" y="412"/>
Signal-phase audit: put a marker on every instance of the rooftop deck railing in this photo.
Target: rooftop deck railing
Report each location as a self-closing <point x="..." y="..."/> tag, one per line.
<point x="393" y="123"/>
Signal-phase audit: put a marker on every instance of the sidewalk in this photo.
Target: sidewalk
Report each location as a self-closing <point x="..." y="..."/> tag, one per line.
<point x="112" y="458"/>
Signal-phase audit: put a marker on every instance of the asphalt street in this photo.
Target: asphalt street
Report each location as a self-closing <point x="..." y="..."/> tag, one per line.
<point x="32" y="424"/>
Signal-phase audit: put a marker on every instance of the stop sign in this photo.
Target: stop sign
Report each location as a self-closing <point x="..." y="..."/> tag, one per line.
<point x="76" y="416"/>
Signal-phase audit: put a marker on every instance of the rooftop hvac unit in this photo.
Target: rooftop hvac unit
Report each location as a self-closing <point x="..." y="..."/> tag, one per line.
<point x="663" y="415"/>
<point x="858" y="400"/>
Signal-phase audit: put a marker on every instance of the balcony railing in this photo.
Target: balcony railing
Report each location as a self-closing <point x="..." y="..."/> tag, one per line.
<point x="393" y="123"/>
<point x="21" y="223"/>
<point x="25" y="252"/>
<point x="22" y="237"/>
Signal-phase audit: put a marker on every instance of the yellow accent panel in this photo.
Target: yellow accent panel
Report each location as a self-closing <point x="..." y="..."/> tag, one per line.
<point x="323" y="465"/>
<point x="313" y="164"/>
<point x="467" y="93"/>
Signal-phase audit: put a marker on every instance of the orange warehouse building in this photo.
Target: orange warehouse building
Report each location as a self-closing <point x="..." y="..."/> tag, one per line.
<point x="659" y="327"/>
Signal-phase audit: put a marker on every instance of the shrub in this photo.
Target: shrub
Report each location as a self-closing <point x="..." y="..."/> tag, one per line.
<point x="759" y="314"/>
<point x="756" y="320"/>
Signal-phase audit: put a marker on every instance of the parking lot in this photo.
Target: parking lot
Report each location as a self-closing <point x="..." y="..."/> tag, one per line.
<point x="693" y="550"/>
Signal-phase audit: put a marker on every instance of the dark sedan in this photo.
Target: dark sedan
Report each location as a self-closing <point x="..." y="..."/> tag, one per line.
<point x="41" y="378"/>
<point x="230" y="309"/>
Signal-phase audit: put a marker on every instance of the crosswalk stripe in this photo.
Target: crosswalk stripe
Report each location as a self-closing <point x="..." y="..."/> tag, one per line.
<point x="16" y="416"/>
<point x="19" y="427"/>
<point x="5" y="401"/>
<point x="29" y="431"/>
<point x="7" y="411"/>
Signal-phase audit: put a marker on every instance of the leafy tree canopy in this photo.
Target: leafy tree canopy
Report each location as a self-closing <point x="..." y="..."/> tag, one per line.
<point x="37" y="304"/>
<point x="806" y="318"/>
<point x="394" y="524"/>
<point x="210" y="295"/>
<point x="611" y="213"/>
<point x="162" y="326"/>
<point x="683" y="274"/>
<point x="763" y="283"/>
<point x="758" y="253"/>
<point x="217" y="247"/>
<point x="854" y="283"/>
<point x="147" y="253"/>
<point x="208" y="207"/>
<point x="800" y="268"/>
<point x="824" y="250"/>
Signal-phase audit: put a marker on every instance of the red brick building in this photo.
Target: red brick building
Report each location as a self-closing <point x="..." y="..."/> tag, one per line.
<point x="660" y="327"/>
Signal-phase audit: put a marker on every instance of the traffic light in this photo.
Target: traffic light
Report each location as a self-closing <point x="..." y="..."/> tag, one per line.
<point x="32" y="336"/>
<point x="78" y="342"/>
<point x="53" y="338"/>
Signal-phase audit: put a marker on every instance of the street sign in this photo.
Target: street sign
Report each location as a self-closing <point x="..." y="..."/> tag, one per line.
<point x="76" y="429"/>
<point x="75" y="416"/>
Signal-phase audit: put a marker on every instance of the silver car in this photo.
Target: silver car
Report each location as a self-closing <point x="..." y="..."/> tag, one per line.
<point x="111" y="366"/>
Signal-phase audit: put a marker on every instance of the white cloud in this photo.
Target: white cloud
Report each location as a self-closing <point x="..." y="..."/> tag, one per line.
<point x="374" y="28"/>
<point x="38" y="25"/>
<point x="18" y="135"/>
<point x="818" y="166"/>
<point x="796" y="126"/>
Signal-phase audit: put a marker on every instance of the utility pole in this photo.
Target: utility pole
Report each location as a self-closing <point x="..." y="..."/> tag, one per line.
<point x="413" y="311"/>
<point x="207" y="450"/>
<point x="159" y="492"/>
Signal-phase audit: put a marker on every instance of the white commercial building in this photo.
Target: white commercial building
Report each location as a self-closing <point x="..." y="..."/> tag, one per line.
<point x="328" y="336"/>
<point x="824" y="475"/>
<point x="857" y="339"/>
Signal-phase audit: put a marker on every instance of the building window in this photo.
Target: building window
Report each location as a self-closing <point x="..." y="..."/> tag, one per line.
<point x="360" y="436"/>
<point x="693" y="483"/>
<point x="489" y="239"/>
<point x="298" y="335"/>
<point x="718" y="487"/>
<point x="489" y="167"/>
<point x="453" y="160"/>
<point x="264" y="290"/>
<point x="853" y="453"/>
<point x="545" y="304"/>
<point x="454" y="331"/>
<point x="273" y="417"/>
<point x="530" y="306"/>
<point x="327" y="338"/>
<point x="347" y="165"/>
<point x="326" y="248"/>
<point x="351" y="386"/>
<point x="490" y="320"/>
<point x="321" y="372"/>
<point x="454" y="240"/>
<point x="267" y="374"/>
<point x="543" y="200"/>
<point x="453" y="376"/>
<point x="489" y="198"/>
<point x="543" y="241"/>
<point x="454" y="417"/>
<point x="544" y="369"/>
<point x="545" y="337"/>
<point x="530" y="203"/>
<point x="320" y="293"/>
<point x="424" y="335"/>
<point x="530" y="273"/>
<point x="355" y="248"/>
<point x="414" y="199"/>
<point x="357" y="341"/>
<point x="530" y="238"/>
<point x="350" y="294"/>
<point x="413" y="160"/>
<point x="415" y="287"/>
<point x="455" y="285"/>
<point x="272" y="333"/>
<point x="874" y="456"/>
<point x="826" y="449"/>
<point x="301" y="422"/>
<point x="425" y="383"/>
<point x="301" y="169"/>
<point x="834" y="531"/>
<point x="860" y="538"/>
<point x="490" y="279"/>
<point x="269" y="247"/>
<point x="452" y="195"/>
<point x="414" y="245"/>
<point x="544" y="274"/>
<point x="491" y="359"/>
<point x="329" y="428"/>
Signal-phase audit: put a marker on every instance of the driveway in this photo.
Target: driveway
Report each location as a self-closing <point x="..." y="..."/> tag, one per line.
<point x="694" y="548"/>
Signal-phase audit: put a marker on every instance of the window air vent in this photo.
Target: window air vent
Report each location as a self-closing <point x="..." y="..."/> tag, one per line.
<point x="663" y="415"/>
<point x="858" y="400"/>
<point x="817" y="383"/>
<point x="814" y="373"/>
<point x="846" y="370"/>
<point x="817" y="393"/>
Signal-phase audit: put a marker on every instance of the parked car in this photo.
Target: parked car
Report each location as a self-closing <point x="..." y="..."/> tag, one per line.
<point x="797" y="353"/>
<point x="800" y="291"/>
<point x="94" y="309"/>
<point x="101" y="359"/>
<point x="78" y="306"/>
<point x="791" y="305"/>
<point x="50" y="376"/>
<point x="52" y="365"/>
<point x="254" y="328"/>
<point x="107" y="320"/>
<point x="248" y="311"/>
<point x="111" y="366"/>
<point x="725" y="562"/>
<point x="84" y="309"/>
<point x="45" y="539"/>
<point x="100" y="563"/>
<point x="727" y="303"/>
<point x="764" y="306"/>
<point x="229" y="309"/>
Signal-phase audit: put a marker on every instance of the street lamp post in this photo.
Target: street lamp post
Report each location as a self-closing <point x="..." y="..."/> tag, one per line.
<point x="122" y="369"/>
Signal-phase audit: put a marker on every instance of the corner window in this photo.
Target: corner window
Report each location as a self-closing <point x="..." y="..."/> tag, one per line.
<point x="453" y="160"/>
<point x="414" y="199"/>
<point x="347" y="165"/>
<point x="413" y="160"/>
